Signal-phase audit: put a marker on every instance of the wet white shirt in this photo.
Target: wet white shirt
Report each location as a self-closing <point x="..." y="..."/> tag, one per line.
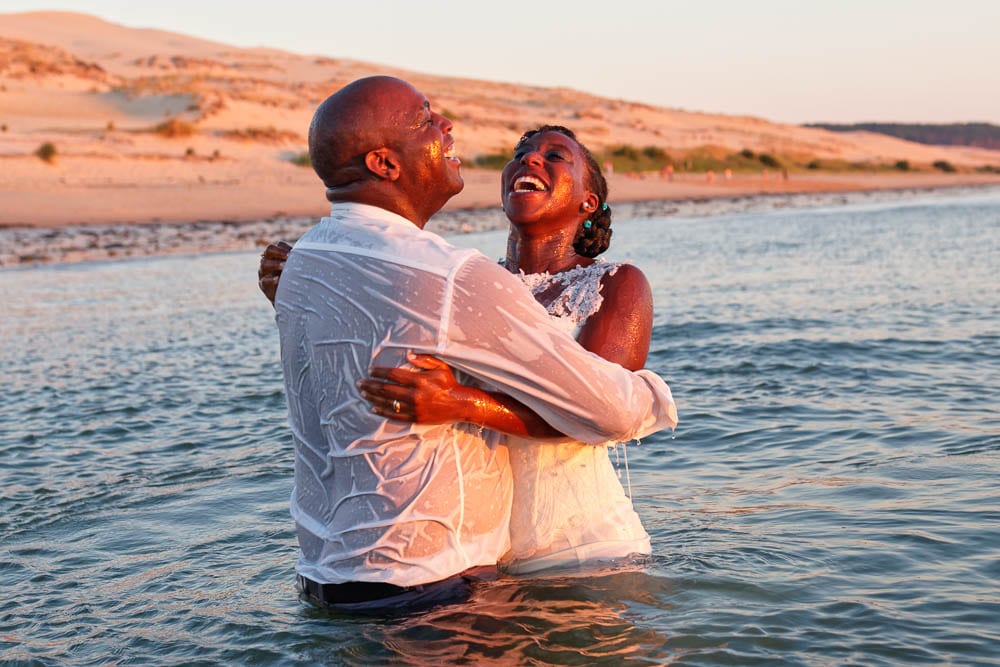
<point x="376" y="500"/>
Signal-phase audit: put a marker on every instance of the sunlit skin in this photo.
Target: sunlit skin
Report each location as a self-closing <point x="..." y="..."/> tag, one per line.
<point x="377" y="141"/>
<point x="544" y="223"/>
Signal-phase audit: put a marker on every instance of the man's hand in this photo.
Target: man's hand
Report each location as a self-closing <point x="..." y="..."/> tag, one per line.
<point x="272" y="263"/>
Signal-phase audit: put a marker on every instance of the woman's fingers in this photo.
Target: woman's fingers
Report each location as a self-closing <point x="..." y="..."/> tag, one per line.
<point x="403" y="376"/>
<point x="270" y="267"/>
<point x="425" y="361"/>
<point x="278" y="251"/>
<point x="374" y="391"/>
<point x="388" y="400"/>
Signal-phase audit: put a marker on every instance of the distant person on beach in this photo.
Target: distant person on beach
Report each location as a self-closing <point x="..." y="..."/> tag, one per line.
<point x="569" y="506"/>
<point x="392" y="514"/>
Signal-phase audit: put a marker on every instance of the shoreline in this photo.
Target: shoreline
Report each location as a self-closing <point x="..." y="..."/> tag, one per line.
<point x="26" y="246"/>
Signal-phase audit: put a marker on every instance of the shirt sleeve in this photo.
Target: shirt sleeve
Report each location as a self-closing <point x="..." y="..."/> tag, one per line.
<point x="496" y="332"/>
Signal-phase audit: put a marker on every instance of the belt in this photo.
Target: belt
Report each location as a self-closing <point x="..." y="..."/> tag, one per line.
<point x="351" y="592"/>
<point x="360" y="592"/>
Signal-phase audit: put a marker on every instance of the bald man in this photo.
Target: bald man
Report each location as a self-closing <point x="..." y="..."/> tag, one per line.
<point x="393" y="515"/>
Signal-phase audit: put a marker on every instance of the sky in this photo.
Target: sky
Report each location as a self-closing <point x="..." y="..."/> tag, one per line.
<point x="791" y="61"/>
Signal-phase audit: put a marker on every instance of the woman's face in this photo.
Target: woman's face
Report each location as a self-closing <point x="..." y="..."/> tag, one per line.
<point x="546" y="181"/>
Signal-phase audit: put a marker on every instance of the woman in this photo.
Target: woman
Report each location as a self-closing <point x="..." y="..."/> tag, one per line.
<point x="569" y="506"/>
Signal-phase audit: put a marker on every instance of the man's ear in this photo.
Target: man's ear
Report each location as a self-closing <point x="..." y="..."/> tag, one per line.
<point x="383" y="163"/>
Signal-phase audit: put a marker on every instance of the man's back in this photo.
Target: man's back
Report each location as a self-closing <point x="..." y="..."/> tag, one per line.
<point x="376" y="500"/>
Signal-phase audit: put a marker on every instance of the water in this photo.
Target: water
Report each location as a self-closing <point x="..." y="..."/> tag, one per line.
<point x="830" y="497"/>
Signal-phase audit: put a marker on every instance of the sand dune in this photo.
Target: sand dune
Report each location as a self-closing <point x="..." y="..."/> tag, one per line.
<point x="96" y="91"/>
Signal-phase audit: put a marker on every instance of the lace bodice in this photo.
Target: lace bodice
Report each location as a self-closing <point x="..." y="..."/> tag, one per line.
<point x="571" y="296"/>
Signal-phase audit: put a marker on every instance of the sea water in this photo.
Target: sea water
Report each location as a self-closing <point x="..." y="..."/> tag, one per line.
<point x="830" y="496"/>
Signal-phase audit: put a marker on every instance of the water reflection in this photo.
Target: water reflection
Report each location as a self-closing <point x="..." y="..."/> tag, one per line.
<point x="561" y="619"/>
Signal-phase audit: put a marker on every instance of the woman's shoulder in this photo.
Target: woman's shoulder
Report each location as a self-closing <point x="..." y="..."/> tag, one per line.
<point x="625" y="277"/>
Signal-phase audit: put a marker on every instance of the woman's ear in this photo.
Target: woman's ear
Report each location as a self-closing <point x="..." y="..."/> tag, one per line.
<point x="383" y="163"/>
<point x="589" y="204"/>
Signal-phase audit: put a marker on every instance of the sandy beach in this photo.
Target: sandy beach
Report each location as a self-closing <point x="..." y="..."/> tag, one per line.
<point x="122" y="142"/>
<point x="253" y="225"/>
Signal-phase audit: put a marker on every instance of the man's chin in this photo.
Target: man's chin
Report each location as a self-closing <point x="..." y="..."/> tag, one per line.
<point x="458" y="183"/>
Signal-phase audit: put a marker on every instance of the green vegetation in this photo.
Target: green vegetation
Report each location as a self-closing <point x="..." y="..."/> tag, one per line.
<point x="174" y="128"/>
<point x="769" y="160"/>
<point x="492" y="160"/>
<point x="626" y="158"/>
<point x="631" y="159"/>
<point x="840" y="166"/>
<point x="301" y="159"/>
<point x="46" y="152"/>
<point x="269" y="134"/>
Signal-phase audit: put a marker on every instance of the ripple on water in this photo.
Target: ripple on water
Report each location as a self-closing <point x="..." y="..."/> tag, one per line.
<point x="829" y="497"/>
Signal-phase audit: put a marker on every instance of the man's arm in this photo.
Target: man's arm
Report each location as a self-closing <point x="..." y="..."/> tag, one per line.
<point x="498" y="334"/>
<point x="429" y="393"/>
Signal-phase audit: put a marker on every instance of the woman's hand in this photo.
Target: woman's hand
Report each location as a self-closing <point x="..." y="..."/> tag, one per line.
<point x="272" y="263"/>
<point x="429" y="394"/>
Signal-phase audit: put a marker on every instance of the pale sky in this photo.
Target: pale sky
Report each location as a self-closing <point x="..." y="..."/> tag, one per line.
<point x="786" y="60"/>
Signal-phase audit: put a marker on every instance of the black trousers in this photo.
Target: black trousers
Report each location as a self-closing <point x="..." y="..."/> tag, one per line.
<point x="380" y="598"/>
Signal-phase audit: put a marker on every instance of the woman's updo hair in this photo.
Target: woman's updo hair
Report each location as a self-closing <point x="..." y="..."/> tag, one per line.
<point x="592" y="241"/>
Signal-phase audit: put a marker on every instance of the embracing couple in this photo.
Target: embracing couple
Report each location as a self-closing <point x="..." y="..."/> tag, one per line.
<point x="450" y="413"/>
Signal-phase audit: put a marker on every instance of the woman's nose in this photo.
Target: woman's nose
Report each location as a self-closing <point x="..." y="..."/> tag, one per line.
<point x="531" y="157"/>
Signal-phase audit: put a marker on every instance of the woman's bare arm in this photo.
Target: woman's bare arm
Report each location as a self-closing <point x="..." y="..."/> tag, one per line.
<point x="432" y="395"/>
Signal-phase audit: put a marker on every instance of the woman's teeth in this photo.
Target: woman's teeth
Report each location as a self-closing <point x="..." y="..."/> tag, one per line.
<point x="528" y="184"/>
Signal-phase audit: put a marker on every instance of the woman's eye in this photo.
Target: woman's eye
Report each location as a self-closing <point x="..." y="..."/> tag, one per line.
<point x="555" y="156"/>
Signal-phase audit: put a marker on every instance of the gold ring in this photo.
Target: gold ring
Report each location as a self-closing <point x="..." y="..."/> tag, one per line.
<point x="396" y="406"/>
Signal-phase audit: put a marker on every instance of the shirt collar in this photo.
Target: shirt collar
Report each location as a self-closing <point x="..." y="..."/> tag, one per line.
<point x="370" y="212"/>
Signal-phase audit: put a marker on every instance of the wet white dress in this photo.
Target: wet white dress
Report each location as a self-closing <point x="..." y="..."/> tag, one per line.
<point x="569" y="506"/>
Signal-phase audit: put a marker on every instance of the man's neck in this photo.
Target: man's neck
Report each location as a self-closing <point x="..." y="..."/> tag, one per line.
<point x="370" y="197"/>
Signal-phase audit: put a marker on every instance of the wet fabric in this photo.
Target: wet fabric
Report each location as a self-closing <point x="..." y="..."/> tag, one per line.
<point x="407" y="504"/>
<point x="569" y="505"/>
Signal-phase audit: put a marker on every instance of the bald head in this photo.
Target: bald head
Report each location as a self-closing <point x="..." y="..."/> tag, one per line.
<point x="359" y="117"/>
<point x="377" y="141"/>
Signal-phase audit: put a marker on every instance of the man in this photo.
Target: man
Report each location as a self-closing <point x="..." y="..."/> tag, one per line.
<point x="391" y="514"/>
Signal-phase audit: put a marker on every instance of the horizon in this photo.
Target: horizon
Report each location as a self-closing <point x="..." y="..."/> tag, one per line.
<point x="897" y="62"/>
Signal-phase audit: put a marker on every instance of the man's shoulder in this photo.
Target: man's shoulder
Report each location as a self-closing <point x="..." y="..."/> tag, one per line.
<point x="405" y="245"/>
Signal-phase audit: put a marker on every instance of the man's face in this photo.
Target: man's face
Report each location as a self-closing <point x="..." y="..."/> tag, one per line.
<point x="427" y="148"/>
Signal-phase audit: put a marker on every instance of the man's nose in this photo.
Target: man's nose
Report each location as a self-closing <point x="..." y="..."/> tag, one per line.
<point x="443" y="122"/>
